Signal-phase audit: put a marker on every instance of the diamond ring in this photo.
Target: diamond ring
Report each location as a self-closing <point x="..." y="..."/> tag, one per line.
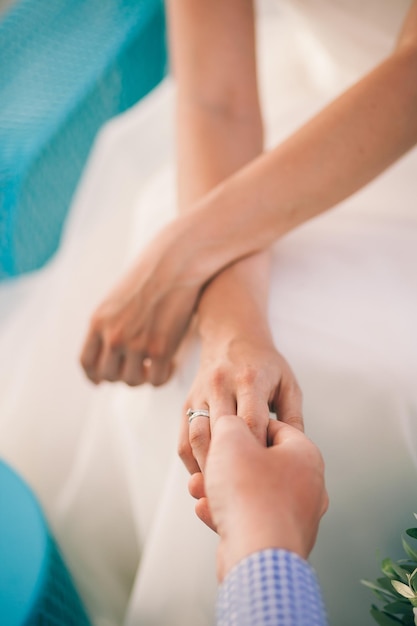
<point x="193" y="413"/>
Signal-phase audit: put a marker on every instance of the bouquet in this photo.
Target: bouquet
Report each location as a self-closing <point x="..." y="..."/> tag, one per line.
<point x="397" y="588"/>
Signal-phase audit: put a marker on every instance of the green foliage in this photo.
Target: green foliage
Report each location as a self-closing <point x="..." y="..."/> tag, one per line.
<point x="397" y="589"/>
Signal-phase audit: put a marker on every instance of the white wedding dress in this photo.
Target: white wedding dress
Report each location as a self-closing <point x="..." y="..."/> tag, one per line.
<point x="343" y="308"/>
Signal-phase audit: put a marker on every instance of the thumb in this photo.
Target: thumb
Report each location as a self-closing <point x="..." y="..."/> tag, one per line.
<point x="289" y="405"/>
<point x="230" y="431"/>
<point x="280" y="433"/>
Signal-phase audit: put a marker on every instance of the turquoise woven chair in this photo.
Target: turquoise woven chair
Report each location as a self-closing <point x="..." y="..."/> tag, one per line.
<point x="66" y="67"/>
<point x="35" y="586"/>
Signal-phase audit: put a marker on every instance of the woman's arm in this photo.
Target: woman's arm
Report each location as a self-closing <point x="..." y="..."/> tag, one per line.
<point x="345" y="146"/>
<point x="219" y="124"/>
<point x="341" y="149"/>
<point x="219" y="130"/>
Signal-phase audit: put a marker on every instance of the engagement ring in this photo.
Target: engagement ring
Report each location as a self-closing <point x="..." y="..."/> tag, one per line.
<point x="192" y="413"/>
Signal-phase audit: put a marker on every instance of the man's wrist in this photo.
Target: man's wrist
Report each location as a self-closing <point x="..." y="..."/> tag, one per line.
<point x="271" y="586"/>
<point x="256" y="535"/>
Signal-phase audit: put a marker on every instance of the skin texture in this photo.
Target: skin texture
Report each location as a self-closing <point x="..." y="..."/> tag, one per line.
<point x="219" y="131"/>
<point x="241" y="377"/>
<point x="234" y="202"/>
<point x="257" y="497"/>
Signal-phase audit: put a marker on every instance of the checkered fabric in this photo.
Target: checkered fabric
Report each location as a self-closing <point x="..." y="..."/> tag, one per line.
<point x="271" y="588"/>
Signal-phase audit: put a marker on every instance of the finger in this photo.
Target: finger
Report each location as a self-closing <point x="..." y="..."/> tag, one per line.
<point x="110" y="364"/>
<point x="289" y="405"/>
<point x="196" y="486"/>
<point x="230" y="433"/>
<point x="184" y="447"/>
<point x="90" y="354"/>
<point x="280" y="433"/>
<point x="253" y="407"/>
<point x="165" y="332"/>
<point x="199" y="436"/>
<point x="202" y="510"/>
<point x="220" y="401"/>
<point x="159" y="370"/>
<point x="221" y="398"/>
<point x="133" y="371"/>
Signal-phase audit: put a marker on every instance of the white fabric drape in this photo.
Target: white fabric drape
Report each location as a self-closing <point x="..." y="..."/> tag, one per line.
<point x="343" y="308"/>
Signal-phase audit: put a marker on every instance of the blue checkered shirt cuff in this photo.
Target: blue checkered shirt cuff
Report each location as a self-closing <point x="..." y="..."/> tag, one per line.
<point x="271" y="588"/>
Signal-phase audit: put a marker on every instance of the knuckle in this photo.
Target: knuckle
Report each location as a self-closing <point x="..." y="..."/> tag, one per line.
<point x="157" y="347"/>
<point x="255" y="423"/>
<point x="217" y="379"/>
<point x="251" y="422"/>
<point x="295" y="420"/>
<point x="197" y="437"/>
<point x="247" y="377"/>
<point x="99" y="319"/>
<point x="115" y="338"/>
<point x="96" y="322"/>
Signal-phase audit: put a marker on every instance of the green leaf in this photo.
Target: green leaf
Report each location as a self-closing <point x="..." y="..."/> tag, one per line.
<point x="412" y="578"/>
<point x="388" y="568"/>
<point x="409" y="566"/>
<point x="383" y="619"/>
<point x="408" y="549"/>
<point x="402" y="573"/>
<point x="403" y="589"/>
<point x="400" y="606"/>
<point x="385" y="583"/>
<point x="412" y="532"/>
<point x="384" y="593"/>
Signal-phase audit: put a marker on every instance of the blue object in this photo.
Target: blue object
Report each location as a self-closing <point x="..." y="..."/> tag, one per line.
<point x="66" y="67"/>
<point x="35" y="586"/>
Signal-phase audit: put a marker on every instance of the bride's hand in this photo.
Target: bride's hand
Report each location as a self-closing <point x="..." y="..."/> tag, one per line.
<point x="244" y="376"/>
<point x="135" y="332"/>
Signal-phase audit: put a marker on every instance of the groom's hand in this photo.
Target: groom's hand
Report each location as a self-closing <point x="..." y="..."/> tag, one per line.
<point x="257" y="497"/>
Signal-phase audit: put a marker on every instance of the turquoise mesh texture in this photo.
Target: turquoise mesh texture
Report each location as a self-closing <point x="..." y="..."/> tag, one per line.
<point x="66" y="67"/>
<point x="58" y="603"/>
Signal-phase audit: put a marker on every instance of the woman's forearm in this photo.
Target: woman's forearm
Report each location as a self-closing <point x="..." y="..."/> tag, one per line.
<point x="344" y="147"/>
<point x="219" y="131"/>
<point x="211" y="147"/>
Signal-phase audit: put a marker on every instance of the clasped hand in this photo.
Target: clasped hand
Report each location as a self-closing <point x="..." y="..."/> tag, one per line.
<point x="259" y="497"/>
<point x="244" y="376"/>
<point x="135" y="332"/>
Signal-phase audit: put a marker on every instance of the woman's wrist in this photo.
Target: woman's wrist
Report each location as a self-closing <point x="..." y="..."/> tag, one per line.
<point x="227" y="332"/>
<point x="235" y="302"/>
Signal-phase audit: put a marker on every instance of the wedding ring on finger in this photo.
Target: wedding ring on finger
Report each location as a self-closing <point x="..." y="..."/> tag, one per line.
<point x="193" y="413"/>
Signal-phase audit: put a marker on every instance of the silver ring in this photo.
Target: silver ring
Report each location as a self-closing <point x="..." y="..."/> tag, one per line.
<point x="193" y="413"/>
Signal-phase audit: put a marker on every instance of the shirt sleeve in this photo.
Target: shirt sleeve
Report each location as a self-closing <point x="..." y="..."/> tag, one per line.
<point x="271" y="588"/>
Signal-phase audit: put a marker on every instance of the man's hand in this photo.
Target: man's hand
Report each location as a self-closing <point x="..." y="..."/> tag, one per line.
<point x="257" y="497"/>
